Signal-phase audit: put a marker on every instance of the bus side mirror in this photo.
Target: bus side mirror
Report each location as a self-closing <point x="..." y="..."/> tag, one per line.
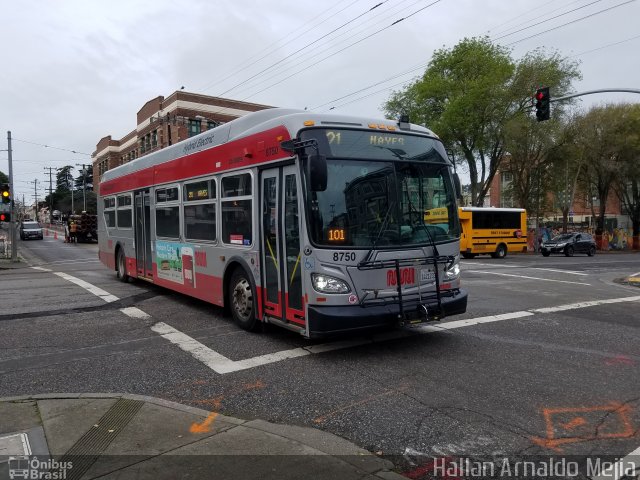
<point x="317" y="172"/>
<point x="456" y="182"/>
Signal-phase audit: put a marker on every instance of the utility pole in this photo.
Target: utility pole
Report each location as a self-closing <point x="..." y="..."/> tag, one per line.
<point x="35" y="193"/>
<point x="51" y="169"/>
<point x="14" y="242"/>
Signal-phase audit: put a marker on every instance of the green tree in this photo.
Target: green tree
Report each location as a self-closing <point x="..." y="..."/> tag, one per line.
<point x="605" y="141"/>
<point x="470" y="93"/>
<point x="64" y="180"/>
<point x="627" y="183"/>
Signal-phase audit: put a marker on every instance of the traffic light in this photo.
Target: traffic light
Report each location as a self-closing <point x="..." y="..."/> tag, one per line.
<point x="5" y="193"/>
<point x="543" y="107"/>
<point x="5" y="217"/>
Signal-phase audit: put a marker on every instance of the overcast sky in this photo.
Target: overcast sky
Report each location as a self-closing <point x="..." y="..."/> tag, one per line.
<point x="74" y="71"/>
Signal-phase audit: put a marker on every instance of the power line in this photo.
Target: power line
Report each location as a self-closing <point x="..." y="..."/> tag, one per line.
<point x="343" y="49"/>
<point x="604" y="46"/>
<point x="569" y="23"/>
<point x="422" y="65"/>
<point x="50" y="146"/>
<point x="302" y="48"/>
<point x="237" y="70"/>
<point x="547" y="20"/>
<point x="519" y="16"/>
<point x="328" y="46"/>
<point x="535" y="18"/>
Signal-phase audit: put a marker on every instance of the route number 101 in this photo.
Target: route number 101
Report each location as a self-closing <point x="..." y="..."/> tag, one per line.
<point x="336" y="235"/>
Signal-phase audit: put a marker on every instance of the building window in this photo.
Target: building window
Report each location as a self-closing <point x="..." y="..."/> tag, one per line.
<point x="154" y="139"/>
<point x="194" y="127"/>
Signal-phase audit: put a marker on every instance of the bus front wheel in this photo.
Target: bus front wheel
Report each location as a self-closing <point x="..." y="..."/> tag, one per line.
<point x="241" y="300"/>
<point x="500" y="252"/>
<point x="121" y="266"/>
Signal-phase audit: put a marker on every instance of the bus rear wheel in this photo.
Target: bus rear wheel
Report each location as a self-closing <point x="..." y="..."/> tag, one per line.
<point x="121" y="266"/>
<point x="241" y="300"/>
<point x="468" y="255"/>
<point x="500" y="252"/>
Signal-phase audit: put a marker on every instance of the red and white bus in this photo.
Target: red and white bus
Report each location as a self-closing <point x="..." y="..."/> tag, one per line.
<point x="314" y="222"/>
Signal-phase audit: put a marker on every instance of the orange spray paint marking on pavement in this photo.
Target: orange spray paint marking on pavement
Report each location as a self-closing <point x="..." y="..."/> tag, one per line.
<point x="216" y="403"/>
<point x="573" y="425"/>
<point x="205" y="426"/>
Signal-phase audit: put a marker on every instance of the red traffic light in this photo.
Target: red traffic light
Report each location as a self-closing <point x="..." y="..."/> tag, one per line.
<point x="543" y="99"/>
<point x="2" y="217"/>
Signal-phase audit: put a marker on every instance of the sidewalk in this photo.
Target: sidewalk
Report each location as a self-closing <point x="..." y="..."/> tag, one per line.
<point x="132" y="436"/>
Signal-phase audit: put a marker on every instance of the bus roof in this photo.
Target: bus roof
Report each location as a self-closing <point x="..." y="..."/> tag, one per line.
<point x="292" y="119"/>
<point x="491" y="209"/>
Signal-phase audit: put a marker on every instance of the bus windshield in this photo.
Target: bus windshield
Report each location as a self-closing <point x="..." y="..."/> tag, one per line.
<point x="385" y="200"/>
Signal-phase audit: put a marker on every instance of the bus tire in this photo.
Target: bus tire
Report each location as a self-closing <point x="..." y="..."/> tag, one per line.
<point x="121" y="266"/>
<point x="500" y="252"/>
<point x="468" y="255"/>
<point x="241" y="298"/>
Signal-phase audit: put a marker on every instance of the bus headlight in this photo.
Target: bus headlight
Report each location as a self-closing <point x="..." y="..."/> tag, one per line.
<point x="327" y="284"/>
<point x="452" y="272"/>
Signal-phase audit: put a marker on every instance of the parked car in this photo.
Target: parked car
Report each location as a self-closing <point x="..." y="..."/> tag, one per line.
<point x="30" y="230"/>
<point x="570" y="243"/>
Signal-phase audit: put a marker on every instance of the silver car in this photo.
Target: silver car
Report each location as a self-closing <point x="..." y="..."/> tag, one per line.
<point x="30" y="230"/>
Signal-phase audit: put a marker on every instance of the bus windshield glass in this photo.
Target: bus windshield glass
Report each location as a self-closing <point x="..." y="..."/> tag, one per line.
<point x="382" y="195"/>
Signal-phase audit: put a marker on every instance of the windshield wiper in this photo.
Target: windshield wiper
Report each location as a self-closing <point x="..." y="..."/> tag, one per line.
<point x="397" y="152"/>
<point x="412" y="209"/>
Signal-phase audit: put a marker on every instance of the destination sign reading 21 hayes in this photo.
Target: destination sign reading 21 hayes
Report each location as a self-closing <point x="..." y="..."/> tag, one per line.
<point x="380" y="146"/>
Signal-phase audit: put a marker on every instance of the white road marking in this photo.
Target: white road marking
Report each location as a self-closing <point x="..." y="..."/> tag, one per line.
<point x="42" y="269"/>
<point x="222" y="365"/>
<point x="574" y="306"/>
<point x="212" y="359"/>
<point x="570" y="272"/>
<point x="627" y="467"/>
<point x="497" y="265"/>
<point x="475" y="321"/>
<point x="97" y="291"/>
<point x="527" y="277"/>
<point x="135" y="312"/>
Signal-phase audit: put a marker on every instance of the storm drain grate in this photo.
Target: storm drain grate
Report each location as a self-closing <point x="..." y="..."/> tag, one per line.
<point x="88" y="448"/>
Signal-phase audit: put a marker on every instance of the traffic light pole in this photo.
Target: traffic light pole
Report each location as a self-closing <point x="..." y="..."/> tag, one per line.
<point x="589" y="92"/>
<point x="12" y="223"/>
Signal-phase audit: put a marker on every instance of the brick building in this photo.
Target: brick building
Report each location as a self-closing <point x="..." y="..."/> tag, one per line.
<point x="164" y="121"/>
<point x="581" y="212"/>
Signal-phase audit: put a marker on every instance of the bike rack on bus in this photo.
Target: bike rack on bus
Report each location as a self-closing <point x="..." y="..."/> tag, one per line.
<point x="411" y="262"/>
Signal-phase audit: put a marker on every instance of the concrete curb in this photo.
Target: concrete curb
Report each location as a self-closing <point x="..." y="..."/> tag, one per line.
<point x="318" y="440"/>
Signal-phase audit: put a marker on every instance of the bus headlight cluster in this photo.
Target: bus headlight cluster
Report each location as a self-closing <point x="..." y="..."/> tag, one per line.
<point x="452" y="272"/>
<point x="327" y="284"/>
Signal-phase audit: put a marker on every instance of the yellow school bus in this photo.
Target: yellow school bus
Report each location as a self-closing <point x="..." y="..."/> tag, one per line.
<point x="492" y="231"/>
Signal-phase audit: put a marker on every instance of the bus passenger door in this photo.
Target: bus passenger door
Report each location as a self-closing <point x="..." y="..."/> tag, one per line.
<point x="280" y="245"/>
<point x="144" y="261"/>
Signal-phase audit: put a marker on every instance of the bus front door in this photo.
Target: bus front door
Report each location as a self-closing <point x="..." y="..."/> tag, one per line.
<point x="280" y="244"/>
<point x="144" y="261"/>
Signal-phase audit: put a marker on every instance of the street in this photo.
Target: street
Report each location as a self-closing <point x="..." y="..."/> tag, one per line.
<point x="545" y="361"/>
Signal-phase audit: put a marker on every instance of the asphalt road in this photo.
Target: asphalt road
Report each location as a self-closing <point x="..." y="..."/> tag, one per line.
<point x="547" y="363"/>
